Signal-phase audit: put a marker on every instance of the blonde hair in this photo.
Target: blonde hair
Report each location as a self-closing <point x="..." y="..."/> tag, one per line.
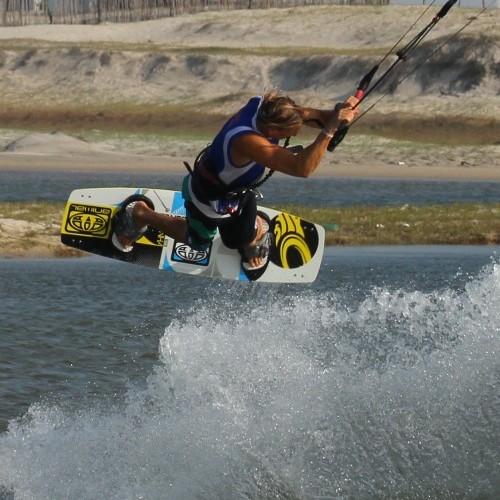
<point x="279" y="111"/>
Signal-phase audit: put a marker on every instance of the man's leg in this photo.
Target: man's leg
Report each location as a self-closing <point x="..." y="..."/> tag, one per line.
<point x="262" y="229"/>
<point x="174" y="227"/>
<point x="245" y="231"/>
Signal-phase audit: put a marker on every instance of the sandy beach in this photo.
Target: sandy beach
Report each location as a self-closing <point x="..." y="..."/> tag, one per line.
<point x="216" y="63"/>
<point x="364" y="169"/>
<point x="58" y="151"/>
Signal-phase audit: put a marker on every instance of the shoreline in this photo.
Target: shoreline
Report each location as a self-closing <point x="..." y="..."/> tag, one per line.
<point x="117" y="162"/>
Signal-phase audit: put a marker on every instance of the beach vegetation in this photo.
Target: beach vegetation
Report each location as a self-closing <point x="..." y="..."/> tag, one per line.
<point x="37" y="231"/>
<point x="447" y="224"/>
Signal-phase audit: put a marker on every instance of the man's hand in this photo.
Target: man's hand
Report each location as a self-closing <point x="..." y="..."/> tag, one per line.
<point x="344" y="112"/>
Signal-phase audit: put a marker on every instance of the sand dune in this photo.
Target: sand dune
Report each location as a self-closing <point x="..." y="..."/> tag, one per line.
<point x="316" y="53"/>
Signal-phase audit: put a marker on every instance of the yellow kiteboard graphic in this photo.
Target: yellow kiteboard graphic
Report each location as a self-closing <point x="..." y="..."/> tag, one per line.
<point x="295" y="241"/>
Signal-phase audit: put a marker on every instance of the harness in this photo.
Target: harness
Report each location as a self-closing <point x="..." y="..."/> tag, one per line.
<point x="207" y="185"/>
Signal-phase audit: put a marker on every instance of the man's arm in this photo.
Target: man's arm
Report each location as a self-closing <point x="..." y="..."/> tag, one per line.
<point x="257" y="148"/>
<point x="317" y="118"/>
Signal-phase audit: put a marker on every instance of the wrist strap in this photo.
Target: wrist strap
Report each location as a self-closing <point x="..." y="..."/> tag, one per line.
<point x="326" y="133"/>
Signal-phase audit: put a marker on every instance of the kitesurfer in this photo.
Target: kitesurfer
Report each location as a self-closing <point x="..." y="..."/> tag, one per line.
<point x="220" y="191"/>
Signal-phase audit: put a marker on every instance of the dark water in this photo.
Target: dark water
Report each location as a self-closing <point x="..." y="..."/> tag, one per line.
<point x="380" y="380"/>
<point x="320" y="191"/>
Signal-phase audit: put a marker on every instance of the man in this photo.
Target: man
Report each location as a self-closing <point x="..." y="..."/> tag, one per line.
<point x="219" y="192"/>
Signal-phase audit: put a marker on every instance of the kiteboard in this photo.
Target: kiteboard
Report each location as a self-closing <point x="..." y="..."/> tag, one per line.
<point x="295" y="254"/>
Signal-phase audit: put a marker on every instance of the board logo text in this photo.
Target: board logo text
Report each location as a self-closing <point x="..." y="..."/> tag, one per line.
<point x="87" y="219"/>
<point x="184" y="253"/>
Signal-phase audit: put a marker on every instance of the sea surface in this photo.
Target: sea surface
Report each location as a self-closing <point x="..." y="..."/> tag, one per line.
<point x="379" y="380"/>
<point x="280" y="189"/>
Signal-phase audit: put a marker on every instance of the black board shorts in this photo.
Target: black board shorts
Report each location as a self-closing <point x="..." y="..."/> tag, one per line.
<point x="236" y="231"/>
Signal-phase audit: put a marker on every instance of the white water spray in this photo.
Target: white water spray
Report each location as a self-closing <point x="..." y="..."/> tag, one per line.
<point x="310" y="396"/>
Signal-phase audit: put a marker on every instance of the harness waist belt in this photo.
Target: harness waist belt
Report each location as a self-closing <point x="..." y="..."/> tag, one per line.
<point x="205" y="183"/>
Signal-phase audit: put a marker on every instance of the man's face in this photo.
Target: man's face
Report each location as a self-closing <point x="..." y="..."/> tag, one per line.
<point x="283" y="133"/>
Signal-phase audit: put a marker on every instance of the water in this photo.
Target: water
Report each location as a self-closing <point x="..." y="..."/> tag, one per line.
<point x="318" y="191"/>
<point x="380" y="380"/>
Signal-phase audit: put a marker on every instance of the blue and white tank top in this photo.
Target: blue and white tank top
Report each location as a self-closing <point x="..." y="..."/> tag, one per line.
<point x="243" y="122"/>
